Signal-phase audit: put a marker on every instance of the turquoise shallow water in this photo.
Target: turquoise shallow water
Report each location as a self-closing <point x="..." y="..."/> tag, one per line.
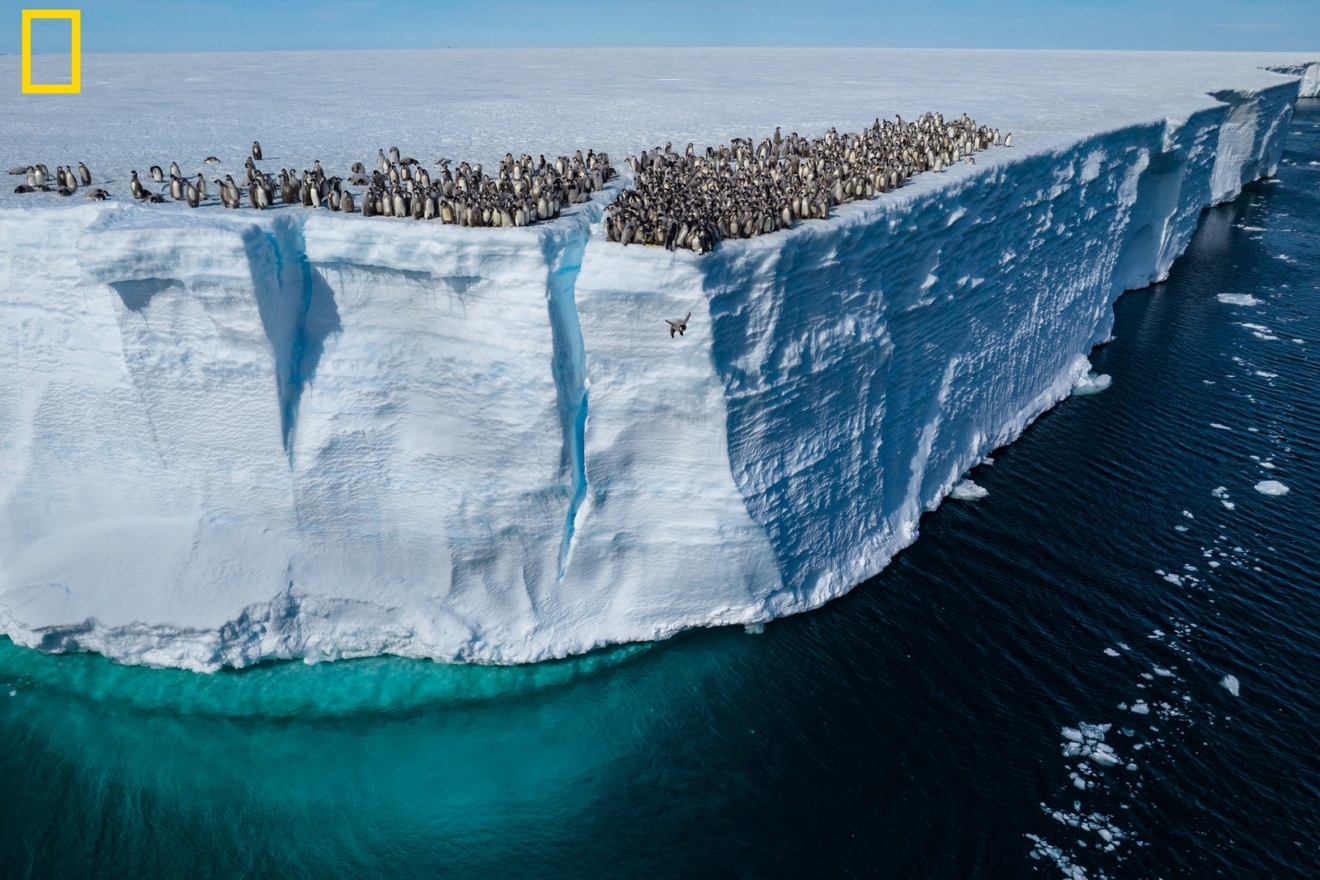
<point x="911" y="729"/>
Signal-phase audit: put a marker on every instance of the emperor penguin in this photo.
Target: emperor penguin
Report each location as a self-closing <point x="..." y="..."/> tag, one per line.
<point x="256" y="150"/>
<point x="85" y="174"/>
<point x="201" y="187"/>
<point x="678" y="326"/>
<point x="176" y="188"/>
<point x="135" y="186"/>
<point x="346" y="202"/>
<point x="394" y="155"/>
<point x="190" y="192"/>
<point x="156" y="174"/>
<point x="1008" y="139"/>
<point x="174" y="170"/>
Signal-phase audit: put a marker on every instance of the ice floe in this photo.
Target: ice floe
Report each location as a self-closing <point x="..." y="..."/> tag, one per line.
<point x="967" y="490"/>
<point x="1271" y="487"/>
<point x="1238" y="299"/>
<point x="1092" y="383"/>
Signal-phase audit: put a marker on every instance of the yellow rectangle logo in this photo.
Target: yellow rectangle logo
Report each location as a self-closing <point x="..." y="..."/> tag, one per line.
<point x="74" y="85"/>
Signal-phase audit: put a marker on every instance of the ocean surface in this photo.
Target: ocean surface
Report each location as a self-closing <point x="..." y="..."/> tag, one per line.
<point x="1109" y="666"/>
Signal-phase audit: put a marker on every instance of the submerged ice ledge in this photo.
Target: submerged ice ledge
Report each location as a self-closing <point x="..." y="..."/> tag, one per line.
<point x="237" y="437"/>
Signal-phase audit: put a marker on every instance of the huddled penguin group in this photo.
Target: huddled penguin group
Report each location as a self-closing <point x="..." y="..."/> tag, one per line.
<point x="522" y="191"/>
<point x="677" y="200"/>
<point x="746" y="189"/>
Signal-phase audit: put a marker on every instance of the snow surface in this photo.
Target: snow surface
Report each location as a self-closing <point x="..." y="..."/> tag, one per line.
<point x="235" y="435"/>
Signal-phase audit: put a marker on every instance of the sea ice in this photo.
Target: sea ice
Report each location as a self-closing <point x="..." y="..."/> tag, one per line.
<point x="967" y="490"/>
<point x="1271" y="487"/>
<point x="1092" y="383"/>
<point x="1238" y="299"/>
<point x="1230" y="683"/>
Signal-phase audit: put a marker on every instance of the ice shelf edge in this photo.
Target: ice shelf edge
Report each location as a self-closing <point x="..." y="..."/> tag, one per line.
<point x="250" y="405"/>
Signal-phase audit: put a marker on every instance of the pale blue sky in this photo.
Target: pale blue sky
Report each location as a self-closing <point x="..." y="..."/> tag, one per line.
<point x="196" y="25"/>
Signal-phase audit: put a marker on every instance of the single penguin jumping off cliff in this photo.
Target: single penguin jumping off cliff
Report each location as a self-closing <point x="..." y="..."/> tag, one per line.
<point x="678" y="326"/>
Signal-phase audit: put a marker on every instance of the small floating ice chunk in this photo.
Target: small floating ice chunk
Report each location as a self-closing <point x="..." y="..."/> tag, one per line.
<point x="1140" y="708"/>
<point x="1174" y="579"/>
<point x="1111" y="652"/>
<point x="1271" y="487"/>
<point x="1238" y="299"/>
<point x="1230" y="683"/>
<point x="1161" y="672"/>
<point x="1220" y="427"/>
<point x="1092" y="383"/>
<point x="1268" y="465"/>
<point x="968" y="491"/>
<point x="754" y="629"/>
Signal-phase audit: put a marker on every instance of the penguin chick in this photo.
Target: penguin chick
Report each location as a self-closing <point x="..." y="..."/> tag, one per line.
<point x="678" y="326"/>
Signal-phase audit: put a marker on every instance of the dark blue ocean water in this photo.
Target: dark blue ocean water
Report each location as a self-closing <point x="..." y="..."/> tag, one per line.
<point x="915" y="728"/>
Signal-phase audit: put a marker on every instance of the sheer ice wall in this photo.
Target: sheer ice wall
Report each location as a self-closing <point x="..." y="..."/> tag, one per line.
<point x="233" y="436"/>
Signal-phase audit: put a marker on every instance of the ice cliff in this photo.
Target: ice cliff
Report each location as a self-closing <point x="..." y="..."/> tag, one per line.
<point x="235" y="436"/>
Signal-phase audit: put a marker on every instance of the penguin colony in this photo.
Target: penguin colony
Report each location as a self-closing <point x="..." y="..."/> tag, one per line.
<point x="521" y="192"/>
<point x="687" y="200"/>
<point x="677" y="200"/>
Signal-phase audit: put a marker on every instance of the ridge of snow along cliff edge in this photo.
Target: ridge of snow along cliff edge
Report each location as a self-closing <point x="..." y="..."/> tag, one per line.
<point x="238" y="436"/>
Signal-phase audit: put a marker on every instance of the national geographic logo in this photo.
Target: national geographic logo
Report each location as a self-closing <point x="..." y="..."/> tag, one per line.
<point x="74" y="85"/>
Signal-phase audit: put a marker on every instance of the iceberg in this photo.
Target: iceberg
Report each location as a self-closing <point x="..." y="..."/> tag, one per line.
<point x="236" y="435"/>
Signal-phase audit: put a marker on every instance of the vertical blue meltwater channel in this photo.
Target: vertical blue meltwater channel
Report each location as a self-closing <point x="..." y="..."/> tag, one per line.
<point x="569" y="366"/>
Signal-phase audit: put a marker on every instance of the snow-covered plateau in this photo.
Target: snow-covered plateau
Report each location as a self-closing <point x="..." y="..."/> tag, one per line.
<point x="236" y="435"/>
